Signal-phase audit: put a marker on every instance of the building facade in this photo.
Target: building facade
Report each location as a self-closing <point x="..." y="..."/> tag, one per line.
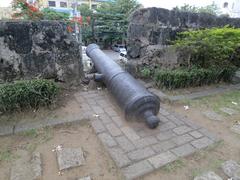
<point x="5" y="13"/>
<point x="229" y="7"/>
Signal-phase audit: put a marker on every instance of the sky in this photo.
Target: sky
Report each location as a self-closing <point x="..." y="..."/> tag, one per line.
<point x="169" y="4"/>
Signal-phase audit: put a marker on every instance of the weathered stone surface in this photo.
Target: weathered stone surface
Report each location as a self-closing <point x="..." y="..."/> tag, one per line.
<point x="162" y="159"/>
<point x="236" y="128"/>
<point x="85" y="178"/>
<point x="202" y="143"/>
<point x="120" y="158"/>
<point x="26" y="167"/>
<point x="184" y="150"/>
<point x="130" y="133"/>
<point x="179" y="140"/>
<point x="125" y="144"/>
<point x="163" y="146"/>
<point x="182" y="130"/>
<point x="36" y="165"/>
<point x="107" y="140"/>
<point x="113" y="129"/>
<point x="165" y="135"/>
<point x="30" y="49"/>
<point x="208" y="176"/>
<point x="98" y="126"/>
<point x="151" y="30"/>
<point x="141" y="154"/>
<point x="228" y="111"/>
<point x="69" y="158"/>
<point x="196" y="134"/>
<point x="213" y="116"/>
<point x="143" y="142"/>
<point x="138" y="169"/>
<point x="231" y="169"/>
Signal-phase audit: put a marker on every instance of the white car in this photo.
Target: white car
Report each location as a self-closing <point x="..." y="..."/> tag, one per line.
<point x="118" y="47"/>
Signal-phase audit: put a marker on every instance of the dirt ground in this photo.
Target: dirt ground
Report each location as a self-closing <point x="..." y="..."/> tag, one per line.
<point x="205" y="160"/>
<point x="99" y="165"/>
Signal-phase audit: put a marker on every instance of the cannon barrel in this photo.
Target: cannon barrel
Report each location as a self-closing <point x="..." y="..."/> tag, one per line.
<point x="135" y="100"/>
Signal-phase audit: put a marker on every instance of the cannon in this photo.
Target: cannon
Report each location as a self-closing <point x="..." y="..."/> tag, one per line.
<point x="133" y="98"/>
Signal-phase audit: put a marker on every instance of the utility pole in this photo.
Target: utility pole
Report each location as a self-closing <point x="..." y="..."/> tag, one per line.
<point x="78" y="28"/>
<point x="90" y="4"/>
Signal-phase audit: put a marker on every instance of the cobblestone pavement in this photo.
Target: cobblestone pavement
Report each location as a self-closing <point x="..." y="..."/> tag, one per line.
<point x="136" y="149"/>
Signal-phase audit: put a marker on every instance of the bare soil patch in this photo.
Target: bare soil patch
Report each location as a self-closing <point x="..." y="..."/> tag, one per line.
<point x="98" y="163"/>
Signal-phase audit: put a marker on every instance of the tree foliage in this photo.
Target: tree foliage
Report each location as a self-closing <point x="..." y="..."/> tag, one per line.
<point x="210" y="9"/>
<point x="109" y="21"/>
<point x="211" y="47"/>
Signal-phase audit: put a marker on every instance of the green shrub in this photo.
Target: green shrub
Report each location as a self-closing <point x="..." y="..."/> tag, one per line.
<point x="50" y="14"/>
<point x="180" y="78"/>
<point x="208" y="47"/>
<point x="146" y="72"/>
<point x="27" y="94"/>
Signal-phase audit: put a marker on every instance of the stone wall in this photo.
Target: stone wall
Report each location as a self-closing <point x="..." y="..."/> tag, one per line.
<point x="151" y="30"/>
<point x="38" y="49"/>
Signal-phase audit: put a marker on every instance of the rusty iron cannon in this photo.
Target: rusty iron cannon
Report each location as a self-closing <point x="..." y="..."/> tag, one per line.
<point x="135" y="100"/>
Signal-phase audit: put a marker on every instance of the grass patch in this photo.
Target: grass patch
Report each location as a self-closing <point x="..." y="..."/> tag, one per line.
<point x="30" y="133"/>
<point x="172" y="167"/>
<point x="36" y="137"/>
<point x="213" y="165"/>
<point x="6" y="155"/>
<point x="217" y="101"/>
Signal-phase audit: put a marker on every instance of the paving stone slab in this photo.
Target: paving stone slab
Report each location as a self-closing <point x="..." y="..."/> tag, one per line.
<point x="236" y="128"/>
<point x="85" y="178"/>
<point x="231" y="169"/>
<point x="138" y="150"/>
<point x="98" y="126"/>
<point x="107" y="140"/>
<point x="208" y="176"/>
<point x="196" y="134"/>
<point x="163" y="146"/>
<point x="26" y="166"/>
<point x="125" y="144"/>
<point x="137" y="169"/>
<point x="69" y="158"/>
<point x="140" y="154"/>
<point x="119" y="157"/>
<point x="213" y="115"/>
<point x="162" y="159"/>
<point x="113" y="129"/>
<point x="130" y="133"/>
<point x="184" y="150"/>
<point x="229" y="111"/>
<point x="179" y="140"/>
<point x="182" y="130"/>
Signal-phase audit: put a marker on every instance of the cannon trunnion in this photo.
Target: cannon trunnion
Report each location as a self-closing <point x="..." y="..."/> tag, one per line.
<point x="135" y="100"/>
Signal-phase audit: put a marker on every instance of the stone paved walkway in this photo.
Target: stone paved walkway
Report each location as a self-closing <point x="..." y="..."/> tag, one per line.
<point x="136" y="149"/>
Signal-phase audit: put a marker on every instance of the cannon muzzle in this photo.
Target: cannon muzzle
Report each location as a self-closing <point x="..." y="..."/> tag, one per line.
<point x="135" y="100"/>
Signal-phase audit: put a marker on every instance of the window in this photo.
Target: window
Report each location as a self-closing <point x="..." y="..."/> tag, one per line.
<point x="94" y="6"/>
<point x="51" y="3"/>
<point x="63" y="4"/>
<point x="225" y="5"/>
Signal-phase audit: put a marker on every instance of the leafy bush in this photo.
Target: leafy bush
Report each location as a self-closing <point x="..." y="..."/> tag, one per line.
<point x="145" y="72"/>
<point x="211" y="47"/>
<point x="27" y="94"/>
<point x="180" y="78"/>
<point x="50" y="14"/>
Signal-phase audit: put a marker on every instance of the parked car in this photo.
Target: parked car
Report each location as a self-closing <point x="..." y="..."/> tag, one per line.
<point x="118" y="47"/>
